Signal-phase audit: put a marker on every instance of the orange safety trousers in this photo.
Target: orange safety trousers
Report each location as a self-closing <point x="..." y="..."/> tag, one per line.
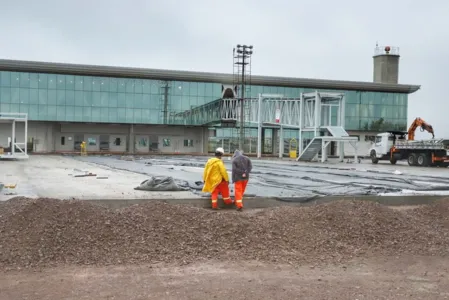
<point x="222" y="189"/>
<point x="240" y="187"/>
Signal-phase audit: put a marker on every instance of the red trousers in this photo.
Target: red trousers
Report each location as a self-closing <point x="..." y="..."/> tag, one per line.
<point x="240" y="187"/>
<point x="223" y="189"/>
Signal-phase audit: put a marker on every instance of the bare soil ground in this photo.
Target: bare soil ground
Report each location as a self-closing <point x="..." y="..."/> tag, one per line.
<point x="405" y="277"/>
<point x="52" y="249"/>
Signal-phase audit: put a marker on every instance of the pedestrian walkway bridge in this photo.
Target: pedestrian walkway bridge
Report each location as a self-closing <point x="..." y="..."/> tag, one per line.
<point x="320" y="113"/>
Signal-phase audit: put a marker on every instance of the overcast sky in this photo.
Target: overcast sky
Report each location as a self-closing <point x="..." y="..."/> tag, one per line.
<point x="317" y="39"/>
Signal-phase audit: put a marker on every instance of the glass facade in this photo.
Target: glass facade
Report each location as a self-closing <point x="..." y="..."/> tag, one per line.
<point x="56" y="97"/>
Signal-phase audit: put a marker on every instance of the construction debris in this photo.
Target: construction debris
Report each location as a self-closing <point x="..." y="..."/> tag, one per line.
<point x="160" y="183"/>
<point x="46" y="232"/>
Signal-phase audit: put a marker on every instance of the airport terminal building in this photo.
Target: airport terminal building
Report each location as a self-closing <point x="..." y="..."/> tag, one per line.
<point x="134" y="110"/>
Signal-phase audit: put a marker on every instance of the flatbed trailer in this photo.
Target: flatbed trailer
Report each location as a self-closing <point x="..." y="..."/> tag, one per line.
<point x="423" y="153"/>
<point x="393" y="146"/>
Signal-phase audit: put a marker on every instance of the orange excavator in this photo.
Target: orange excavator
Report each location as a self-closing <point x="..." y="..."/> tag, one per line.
<point x="419" y="123"/>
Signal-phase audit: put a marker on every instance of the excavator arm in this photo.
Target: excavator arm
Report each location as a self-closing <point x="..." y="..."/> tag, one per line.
<point x="419" y="123"/>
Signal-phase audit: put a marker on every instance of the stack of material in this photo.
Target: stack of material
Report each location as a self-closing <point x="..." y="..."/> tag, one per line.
<point x="47" y="232"/>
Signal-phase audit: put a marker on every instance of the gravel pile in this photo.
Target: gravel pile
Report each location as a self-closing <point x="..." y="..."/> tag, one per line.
<point x="47" y="232"/>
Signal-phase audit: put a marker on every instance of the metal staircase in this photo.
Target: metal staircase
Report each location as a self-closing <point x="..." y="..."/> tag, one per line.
<point x="315" y="146"/>
<point x="312" y="149"/>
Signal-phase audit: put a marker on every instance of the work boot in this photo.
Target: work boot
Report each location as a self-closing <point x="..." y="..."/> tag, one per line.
<point x="239" y="208"/>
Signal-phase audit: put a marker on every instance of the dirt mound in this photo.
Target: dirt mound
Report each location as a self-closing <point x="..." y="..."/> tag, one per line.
<point x="48" y="231"/>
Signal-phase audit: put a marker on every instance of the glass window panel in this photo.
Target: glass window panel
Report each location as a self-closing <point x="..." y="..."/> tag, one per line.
<point x="121" y="101"/>
<point x="121" y="85"/>
<point x="104" y="99"/>
<point x="146" y="101"/>
<point x="52" y="82"/>
<point x="112" y="99"/>
<point x="87" y="83"/>
<point x="121" y="115"/>
<point x="69" y="82"/>
<point x="146" y="116"/>
<point x="87" y="114"/>
<point x="43" y="112"/>
<point x="24" y="108"/>
<point x="138" y="101"/>
<point x="70" y="113"/>
<point x="129" y="102"/>
<point x="201" y="89"/>
<point x="96" y="114"/>
<point x="5" y="107"/>
<point x="104" y="84"/>
<point x="43" y="81"/>
<point x="60" y="98"/>
<point x="15" y="108"/>
<point x="129" y="115"/>
<point x="60" y="113"/>
<point x="51" y="97"/>
<point x="70" y="97"/>
<point x="43" y="97"/>
<point x="113" y="85"/>
<point x="5" y="95"/>
<point x="5" y="79"/>
<point x="34" y="96"/>
<point x="79" y="84"/>
<point x="15" y="79"/>
<point x="175" y="103"/>
<point x="104" y="111"/>
<point x="87" y="97"/>
<point x="15" y="95"/>
<point x="154" y="116"/>
<point x="79" y="99"/>
<point x="24" y="96"/>
<point x="146" y="86"/>
<point x="138" y="116"/>
<point x="78" y="113"/>
<point x="60" y="83"/>
<point x="96" y="84"/>
<point x="178" y="88"/>
<point x="33" y="111"/>
<point x="129" y="86"/>
<point x="113" y="115"/>
<point x="24" y="80"/>
<point x="156" y="87"/>
<point x="96" y="99"/>
<point x="34" y="80"/>
<point x="138" y="88"/>
<point x="193" y="89"/>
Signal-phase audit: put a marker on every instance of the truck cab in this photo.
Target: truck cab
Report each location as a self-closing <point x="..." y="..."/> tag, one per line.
<point x="381" y="147"/>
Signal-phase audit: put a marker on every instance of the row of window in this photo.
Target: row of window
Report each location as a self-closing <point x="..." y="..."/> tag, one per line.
<point x="98" y="99"/>
<point x="105" y="84"/>
<point x="54" y="82"/>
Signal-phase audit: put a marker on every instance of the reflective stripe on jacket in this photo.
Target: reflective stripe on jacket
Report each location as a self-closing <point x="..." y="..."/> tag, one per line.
<point x="214" y="174"/>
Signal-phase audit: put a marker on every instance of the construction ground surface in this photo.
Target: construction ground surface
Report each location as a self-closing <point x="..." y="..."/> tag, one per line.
<point x="343" y="249"/>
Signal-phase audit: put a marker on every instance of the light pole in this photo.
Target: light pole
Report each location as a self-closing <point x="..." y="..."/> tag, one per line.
<point x="243" y="52"/>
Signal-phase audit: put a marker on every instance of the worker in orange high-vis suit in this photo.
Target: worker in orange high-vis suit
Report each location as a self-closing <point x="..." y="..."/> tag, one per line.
<point x="241" y="167"/>
<point x="216" y="179"/>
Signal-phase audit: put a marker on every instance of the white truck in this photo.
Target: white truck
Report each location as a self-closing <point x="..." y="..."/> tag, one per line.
<point x="394" y="146"/>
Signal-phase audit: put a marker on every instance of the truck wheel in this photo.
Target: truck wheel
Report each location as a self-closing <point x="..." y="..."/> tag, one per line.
<point x="411" y="159"/>
<point x="422" y="160"/>
<point x="374" y="159"/>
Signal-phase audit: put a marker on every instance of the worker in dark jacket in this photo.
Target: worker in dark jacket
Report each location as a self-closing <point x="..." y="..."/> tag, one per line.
<point x="241" y="167"/>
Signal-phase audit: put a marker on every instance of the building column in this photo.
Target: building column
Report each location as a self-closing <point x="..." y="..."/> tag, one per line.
<point x="131" y="140"/>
